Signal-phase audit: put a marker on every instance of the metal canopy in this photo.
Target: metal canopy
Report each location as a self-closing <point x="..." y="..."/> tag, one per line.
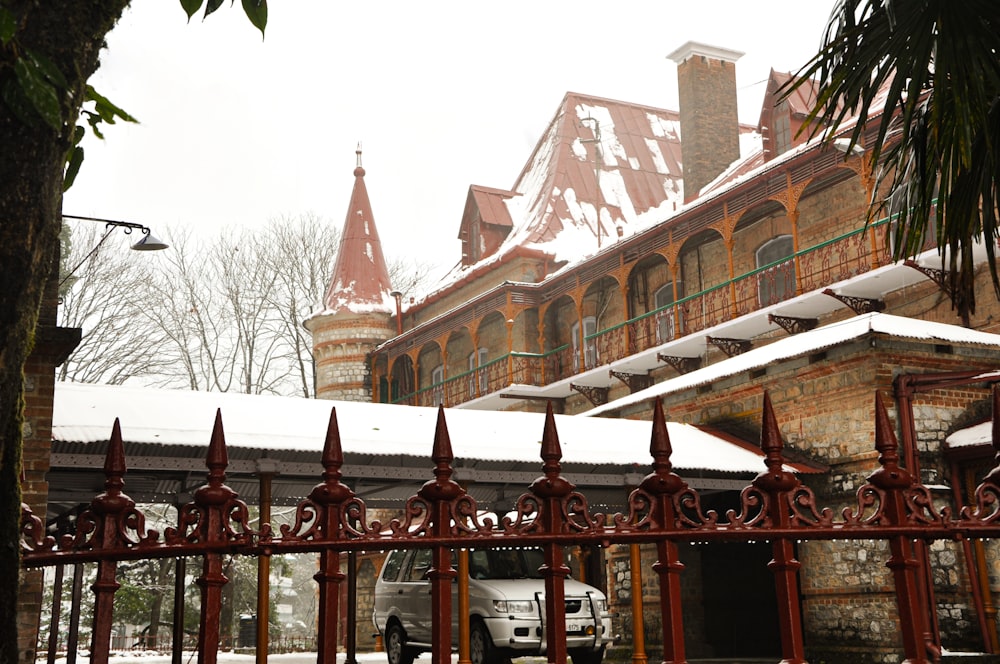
<point x="387" y="449"/>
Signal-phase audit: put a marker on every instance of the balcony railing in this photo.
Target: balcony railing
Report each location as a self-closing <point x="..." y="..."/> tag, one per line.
<point x="808" y="270"/>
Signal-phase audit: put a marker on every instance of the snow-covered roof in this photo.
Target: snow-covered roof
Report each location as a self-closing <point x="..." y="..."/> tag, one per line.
<point x="85" y="413"/>
<point x="979" y="434"/>
<point x="602" y="167"/>
<point x="803" y="344"/>
<point x="360" y="281"/>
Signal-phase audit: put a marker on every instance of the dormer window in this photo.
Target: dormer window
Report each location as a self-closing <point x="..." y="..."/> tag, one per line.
<point x="782" y="129"/>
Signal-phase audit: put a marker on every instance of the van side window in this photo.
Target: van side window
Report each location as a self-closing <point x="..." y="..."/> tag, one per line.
<point x="393" y="565"/>
<point x="420" y="562"/>
<point x="479" y="564"/>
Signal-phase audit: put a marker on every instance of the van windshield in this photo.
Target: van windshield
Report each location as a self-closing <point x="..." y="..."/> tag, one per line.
<point x="505" y="563"/>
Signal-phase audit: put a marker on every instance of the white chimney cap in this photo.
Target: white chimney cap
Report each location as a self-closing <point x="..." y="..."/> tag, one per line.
<point x="693" y="48"/>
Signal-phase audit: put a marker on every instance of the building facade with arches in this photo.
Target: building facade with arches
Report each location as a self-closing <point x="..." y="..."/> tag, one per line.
<point x="645" y="255"/>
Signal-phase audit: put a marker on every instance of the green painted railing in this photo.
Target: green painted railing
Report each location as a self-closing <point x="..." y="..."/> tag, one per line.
<point x="814" y="267"/>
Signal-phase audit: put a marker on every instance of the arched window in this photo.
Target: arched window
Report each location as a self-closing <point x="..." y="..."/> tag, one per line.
<point x="777" y="282"/>
<point x="476" y="360"/>
<point x="590" y="358"/>
<point x="668" y="319"/>
<point x="437" y="380"/>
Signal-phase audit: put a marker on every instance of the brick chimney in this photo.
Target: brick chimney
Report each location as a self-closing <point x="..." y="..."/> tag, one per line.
<point x="706" y="84"/>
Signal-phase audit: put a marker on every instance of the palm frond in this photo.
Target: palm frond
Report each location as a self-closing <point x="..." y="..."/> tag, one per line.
<point x="926" y="75"/>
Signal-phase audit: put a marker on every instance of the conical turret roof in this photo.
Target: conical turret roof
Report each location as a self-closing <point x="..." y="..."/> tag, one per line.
<point x="360" y="279"/>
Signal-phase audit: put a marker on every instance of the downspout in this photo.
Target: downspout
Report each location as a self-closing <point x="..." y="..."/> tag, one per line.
<point x="905" y="385"/>
<point x="975" y="565"/>
<point x="903" y="393"/>
<point x="398" y="296"/>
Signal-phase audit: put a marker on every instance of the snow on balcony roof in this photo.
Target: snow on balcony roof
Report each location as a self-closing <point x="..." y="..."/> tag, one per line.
<point x="85" y="414"/>
<point x="979" y="434"/>
<point x="803" y="344"/>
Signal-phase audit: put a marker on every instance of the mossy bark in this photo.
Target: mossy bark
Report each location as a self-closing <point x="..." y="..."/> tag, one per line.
<point x="32" y="154"/>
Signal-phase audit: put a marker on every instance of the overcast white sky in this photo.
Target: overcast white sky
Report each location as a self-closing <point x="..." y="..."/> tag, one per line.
<point x="236" y="130"/>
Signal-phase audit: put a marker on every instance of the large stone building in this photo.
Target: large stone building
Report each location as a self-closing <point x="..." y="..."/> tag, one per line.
<point x="648" y="254"/>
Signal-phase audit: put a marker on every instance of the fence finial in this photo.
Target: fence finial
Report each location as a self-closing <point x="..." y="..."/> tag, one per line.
<point x="217" y="458"/>
<point x="333" y="453"/>
<point x="551" y="450"/>
<point x="770" y="436"/>
<point x="775" y="478"/>
<point x="551" y="484"/>
<point x="114" y="461"/>
<point x="331" y="490"/>
<point x="662" y="480"/>
<point x="659" y="442"/>
<point x="442" y="487"/>
<point x="890" y="475"/>
<point x="442" y="454"/>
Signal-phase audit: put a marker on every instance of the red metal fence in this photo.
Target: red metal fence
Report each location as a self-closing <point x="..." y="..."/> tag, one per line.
<point x="892" y="506"/>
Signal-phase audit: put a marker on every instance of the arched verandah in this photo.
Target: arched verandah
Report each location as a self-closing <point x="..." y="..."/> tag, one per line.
<point x="653" y="293"/>
<point x="402" y="381"/>
<point x="430" y="373"/>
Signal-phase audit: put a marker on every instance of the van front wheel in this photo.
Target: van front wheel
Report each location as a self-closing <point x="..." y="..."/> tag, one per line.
<point x="395" y="646"/>
<point x="481" y="648"/>
<point x="586" y="655"/>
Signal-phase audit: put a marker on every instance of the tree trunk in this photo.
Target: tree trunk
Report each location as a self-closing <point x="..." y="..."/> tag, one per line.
<point x="70" y="35"/>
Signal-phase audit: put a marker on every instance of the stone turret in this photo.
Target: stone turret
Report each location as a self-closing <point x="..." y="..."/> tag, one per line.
<point x="356" y="313"/>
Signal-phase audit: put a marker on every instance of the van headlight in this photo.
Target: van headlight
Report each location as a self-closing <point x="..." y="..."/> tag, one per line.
<point x="513" y="606"/>
<point x="600" y="606"/>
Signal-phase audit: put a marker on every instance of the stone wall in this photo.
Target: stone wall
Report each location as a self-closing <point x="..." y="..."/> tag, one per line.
<point x="825" y="409"/>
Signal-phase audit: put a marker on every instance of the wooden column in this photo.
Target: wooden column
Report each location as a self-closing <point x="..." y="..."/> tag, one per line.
<point x="266" y="469"/>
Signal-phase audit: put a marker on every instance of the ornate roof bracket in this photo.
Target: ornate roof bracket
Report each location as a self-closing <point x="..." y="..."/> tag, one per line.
<point x="937" y="276"/>
<point x="681" y="365"/>
<point x="731" y="347"/>
<point x="793" y="325"/>
<point x="634" y="381"/>
<point x="597" y="396"/>
<point x="859" y="305"/>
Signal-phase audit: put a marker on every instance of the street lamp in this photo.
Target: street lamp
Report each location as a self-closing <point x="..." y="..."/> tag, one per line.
<point x="148" y="241"/>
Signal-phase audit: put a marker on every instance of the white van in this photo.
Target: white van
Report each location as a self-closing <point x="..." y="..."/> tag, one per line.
<point x="506" y="606"/>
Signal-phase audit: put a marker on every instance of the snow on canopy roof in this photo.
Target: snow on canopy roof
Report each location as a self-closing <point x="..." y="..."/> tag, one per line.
<point x="85" y="413"/>
<point x="803" y="344"/>
<point x="979" y="434"/>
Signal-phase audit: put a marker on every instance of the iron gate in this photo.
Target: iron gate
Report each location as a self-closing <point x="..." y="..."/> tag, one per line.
<point x="663" y="510"/>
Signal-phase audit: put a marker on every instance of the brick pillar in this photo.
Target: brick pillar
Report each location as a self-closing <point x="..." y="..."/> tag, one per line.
<point x="53" y="345"/>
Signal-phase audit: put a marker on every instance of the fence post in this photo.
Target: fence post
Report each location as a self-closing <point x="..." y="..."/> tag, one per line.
<point x="215" y="506"/>
<point x="663" y="485"/>
<point x="54" y="627"/>
<point x="440" y="495"/>
<point x="551" y="490"/>
<point x="177" y="633"/>
<point x="76" y="599"/>
<point x="894" y="481"/>
<point x="107" y="511"/>
<point x="329" y="499"/>
<point x="638" y="619"/>
<point x="265" y="474"/>
<point x="779" y="486"/>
